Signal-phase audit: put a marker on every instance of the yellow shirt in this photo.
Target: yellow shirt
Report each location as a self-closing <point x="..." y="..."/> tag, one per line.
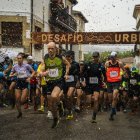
<point x="41" y="68"/>
<point x="121" y="72"/>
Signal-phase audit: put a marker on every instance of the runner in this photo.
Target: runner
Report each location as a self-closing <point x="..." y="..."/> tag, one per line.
<point x="1" y="81"/>
<point x="80" y="87"/>
<point x="5" y="68"/>
<point x="71" y="83"/>
<point x="113" y="68"/>
<point x="32" y="85"/>
<point x="8" y="64"/>
<point x="22" y="71"/>
<point x="54" y="76"/>
<point x="125" y="87"/>
<point x="41" y="86"/>
<point x="94" y="78"/>
<point x="134" y="88"/>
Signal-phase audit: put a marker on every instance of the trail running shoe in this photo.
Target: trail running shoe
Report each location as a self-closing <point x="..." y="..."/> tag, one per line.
<point x="19" y="115"/>
<point x="61" y="109"/>
<point x="41" y="109"/>
<point x="49" y="115"/>
<point x="55" y="122"/>
<point x="70" y="117"/>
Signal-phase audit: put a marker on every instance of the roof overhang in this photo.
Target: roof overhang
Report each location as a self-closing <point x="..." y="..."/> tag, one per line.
<point x="80" y="14"/>
<point x="74" y="2"/>
<point x="136" y="11"/>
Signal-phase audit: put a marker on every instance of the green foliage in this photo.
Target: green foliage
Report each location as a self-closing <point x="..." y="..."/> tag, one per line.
<point x="87" y="57"/>
<point x="104" y="55"/>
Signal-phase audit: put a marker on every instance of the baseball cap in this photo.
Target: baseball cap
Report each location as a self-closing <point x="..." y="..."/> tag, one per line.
<point x="95" y="54"/>
<point x="69" y="53"/>
<point x="29" y="57"/>
<point x="113" y="54"/>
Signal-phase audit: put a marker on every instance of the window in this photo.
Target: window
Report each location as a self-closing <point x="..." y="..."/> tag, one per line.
<point x="38" y="46"/>
<point x="12" y="34"/>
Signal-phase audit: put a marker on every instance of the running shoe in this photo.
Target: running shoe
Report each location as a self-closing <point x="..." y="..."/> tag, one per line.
<point x="93" y="121"/>
<point x="55" y="122"/>
<point x="19" y="115"/>
<point x="70" y="117"/>
<point x="111" y="118"/>
<point x="49" y="115"/>
<point x="26" y="106"/>
<point x="41" y="109"/>
<point x="61" y="109"/>
<point x="77" y="109"/>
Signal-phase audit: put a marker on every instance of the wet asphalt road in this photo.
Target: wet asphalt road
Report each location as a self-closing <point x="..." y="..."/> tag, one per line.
<point x="35" y="126"/>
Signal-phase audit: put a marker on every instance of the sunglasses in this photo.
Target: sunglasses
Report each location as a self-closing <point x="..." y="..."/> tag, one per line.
<point x="68" y="55"/>
<point x="19" y="58"/>
<point x="95" y="56"/>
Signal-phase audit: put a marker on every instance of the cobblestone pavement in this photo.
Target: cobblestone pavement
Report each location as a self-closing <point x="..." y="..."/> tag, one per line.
<point x="35" y="126"/>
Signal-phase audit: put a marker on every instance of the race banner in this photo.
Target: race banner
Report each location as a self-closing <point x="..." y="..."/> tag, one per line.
<point x="86" y="38"/>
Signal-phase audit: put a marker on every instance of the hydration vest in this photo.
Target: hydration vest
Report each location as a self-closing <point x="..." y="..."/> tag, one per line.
<point x="113" y="72"/>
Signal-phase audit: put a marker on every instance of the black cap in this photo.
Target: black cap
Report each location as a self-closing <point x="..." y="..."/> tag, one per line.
<point x="95" y="54"/>
<point x="69" y="53"/>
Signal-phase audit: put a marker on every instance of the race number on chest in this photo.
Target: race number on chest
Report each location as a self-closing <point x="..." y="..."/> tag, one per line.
<point x="53" y="72"/>
<point x="93" y="80"/>
<point x="114" y="74"/>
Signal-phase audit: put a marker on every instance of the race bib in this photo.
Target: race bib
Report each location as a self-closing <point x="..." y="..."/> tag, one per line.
<point x="22" y="74"/>
<point x="114" y="74"/>
<point x="53" y="73"/>
<point x="133" y="81"/>
<point x="93" y="80"/>
<point x="71" y="78"/>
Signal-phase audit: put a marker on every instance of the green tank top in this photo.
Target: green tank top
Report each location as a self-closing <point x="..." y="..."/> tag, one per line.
<point x="55" y="68"/>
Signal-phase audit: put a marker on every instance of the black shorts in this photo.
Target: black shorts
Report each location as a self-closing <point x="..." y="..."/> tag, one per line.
<point x="44" y="90"/>
<point x="70" y="84"/>
<point x="32" y="86"/>
<point x="112" y="86"/>
<point x="90" y="89"/>
<point x="21" y="84"/>
<point x="80" y="86"/>
<point x="9" y="82"/>
<point x="51" y="84"/>
<point x="67" y="85"/>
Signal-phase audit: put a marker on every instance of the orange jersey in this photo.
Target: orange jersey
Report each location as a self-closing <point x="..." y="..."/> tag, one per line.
<point x="113" y="72"/>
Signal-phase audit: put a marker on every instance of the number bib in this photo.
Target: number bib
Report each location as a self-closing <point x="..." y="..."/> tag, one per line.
<point x="53" y="73"/>
<point x="133" y="81"/>
<point x="71" y="78"/>
<point x="114" y="74"/>
<point x="22" y="74"/>
<point x="93" y="80"/>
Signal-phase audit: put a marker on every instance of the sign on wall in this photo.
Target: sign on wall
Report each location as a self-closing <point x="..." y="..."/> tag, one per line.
<point x="87" y="38"/>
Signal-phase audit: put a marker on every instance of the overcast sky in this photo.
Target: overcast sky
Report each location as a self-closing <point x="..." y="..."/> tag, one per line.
<point x="108" y="15"/>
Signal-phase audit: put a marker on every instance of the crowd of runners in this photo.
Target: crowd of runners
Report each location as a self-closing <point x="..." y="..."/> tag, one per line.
<point x="61" y="86"/>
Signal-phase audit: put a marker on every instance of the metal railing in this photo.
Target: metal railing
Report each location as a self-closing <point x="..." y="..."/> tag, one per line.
<point x="61" y="16"/>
